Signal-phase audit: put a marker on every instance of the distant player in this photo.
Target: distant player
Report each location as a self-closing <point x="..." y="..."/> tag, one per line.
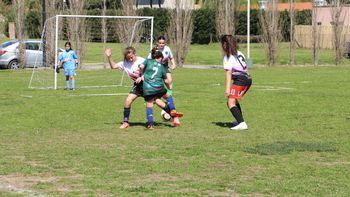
<point x="69" y="59"/>
<point x="154" y="76"/>
<point x="236" y="69"/>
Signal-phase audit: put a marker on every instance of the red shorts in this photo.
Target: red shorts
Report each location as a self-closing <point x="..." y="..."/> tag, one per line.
<point x="237" y="92"/>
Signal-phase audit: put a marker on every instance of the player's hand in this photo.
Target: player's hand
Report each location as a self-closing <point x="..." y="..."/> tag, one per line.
<point x="57" y="69"/>
<point x="108" y="52"/>
<point x="173" y="66"/>
<point x="135" y="75"/>
<point x="227" y="92"/>
<point x="138" y="80"/>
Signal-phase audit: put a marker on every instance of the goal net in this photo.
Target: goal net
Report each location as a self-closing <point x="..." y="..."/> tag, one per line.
<point x="89" y="36"/>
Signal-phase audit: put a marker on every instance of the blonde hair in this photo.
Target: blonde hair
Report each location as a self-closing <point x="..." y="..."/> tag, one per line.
<point x="129" y="50"/>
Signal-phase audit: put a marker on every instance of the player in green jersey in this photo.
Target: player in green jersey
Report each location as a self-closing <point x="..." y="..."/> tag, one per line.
<point x="154" y="76"/>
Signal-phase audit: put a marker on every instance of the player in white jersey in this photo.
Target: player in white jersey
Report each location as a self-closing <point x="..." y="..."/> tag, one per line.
<point x="130" y="66"/>
<point x="236" y="69"/>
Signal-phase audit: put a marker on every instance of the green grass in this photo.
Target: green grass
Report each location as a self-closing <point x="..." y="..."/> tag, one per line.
<point x="211" y="54"/>
<point x="59" y="143"/>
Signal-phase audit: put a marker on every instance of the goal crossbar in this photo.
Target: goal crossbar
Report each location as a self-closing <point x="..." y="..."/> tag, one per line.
<point x="96" y="16"/>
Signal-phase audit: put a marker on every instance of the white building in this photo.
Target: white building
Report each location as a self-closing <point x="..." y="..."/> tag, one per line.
<point x="170" y="4"/>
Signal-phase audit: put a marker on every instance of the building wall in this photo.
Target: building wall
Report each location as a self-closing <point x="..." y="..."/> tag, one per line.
<point x="170" y="4"/>
<point x="324" y="15"/>
<point x="303" y="36"/>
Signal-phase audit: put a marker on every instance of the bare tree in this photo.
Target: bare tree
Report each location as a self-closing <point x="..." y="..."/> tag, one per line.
<point x="128" y="29"/>
<point x="338" y="30"/>
<point x="315" y="36"/>
<point x="53" y="7"/>
<point x="225" y="16"/>
<point x="20" y="30"/>
<point x="104" y="30"/>
<point x="77" y="29"/>
<point x="271" y="34"/>
<point x="292" y="36"/>
<point x="180" y="29"/>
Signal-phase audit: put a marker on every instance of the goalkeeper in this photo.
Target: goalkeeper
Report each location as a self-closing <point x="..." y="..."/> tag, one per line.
<point x="69" y="60"/>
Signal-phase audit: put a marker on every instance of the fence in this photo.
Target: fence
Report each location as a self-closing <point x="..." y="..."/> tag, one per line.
<point x="303" y="36"/>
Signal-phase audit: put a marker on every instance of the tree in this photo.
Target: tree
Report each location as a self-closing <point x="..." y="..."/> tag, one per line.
<point x="271" y="33"/>
<point x="292" y="37"/>
<point x="77" y="28"/>
<point x="338" y="28"/>
<point x="315" y="36"/>
<point x="20" y="29"/>
<point x="225" y="16"/>
<point x="180" y="29"/>
<point x="127" y="27"/>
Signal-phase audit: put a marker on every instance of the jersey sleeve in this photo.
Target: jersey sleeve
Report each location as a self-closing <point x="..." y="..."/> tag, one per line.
<point x="60" y="57"/>
<point x="228" y="63"/>
<point x="170" y="53"/>
<point x="164" y="73"/>
<point x="120" y="65"/>
<point x="145" y="63"/>
<point x="75" y="55"/>
<point x="149" y="56"/>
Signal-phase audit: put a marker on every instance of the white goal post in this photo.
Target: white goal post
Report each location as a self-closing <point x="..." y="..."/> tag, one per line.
<point x="124" y="31"/>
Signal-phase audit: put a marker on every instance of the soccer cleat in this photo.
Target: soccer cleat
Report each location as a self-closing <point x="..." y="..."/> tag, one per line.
<point x="176" y="121"/>
<point x="150" y="126"/>
<point x="124" y="125"/>
<point x="240" y="126"/>
<point x="175" y="113"/>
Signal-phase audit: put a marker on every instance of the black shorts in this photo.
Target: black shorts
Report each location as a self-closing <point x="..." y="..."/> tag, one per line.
<point x="242" y="80"/>
<point x="137" y="89"/>
<point x="167" y="68"/>
<point x="154" y="96"/>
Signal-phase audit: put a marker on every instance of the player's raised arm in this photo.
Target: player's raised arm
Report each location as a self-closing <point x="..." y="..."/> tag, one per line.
<point x="108" y="53"/>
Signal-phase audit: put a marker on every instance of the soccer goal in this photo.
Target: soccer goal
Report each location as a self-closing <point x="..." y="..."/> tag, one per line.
<point x="89" y="36"/>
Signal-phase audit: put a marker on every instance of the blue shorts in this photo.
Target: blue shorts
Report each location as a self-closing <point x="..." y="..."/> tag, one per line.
<point x="69" y="72"/>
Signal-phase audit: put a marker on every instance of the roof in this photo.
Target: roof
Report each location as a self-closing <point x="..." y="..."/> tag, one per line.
<point x="283" y="6"/>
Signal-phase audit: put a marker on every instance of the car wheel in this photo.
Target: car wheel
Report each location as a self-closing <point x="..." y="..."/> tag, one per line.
<point x="13" y="65"/>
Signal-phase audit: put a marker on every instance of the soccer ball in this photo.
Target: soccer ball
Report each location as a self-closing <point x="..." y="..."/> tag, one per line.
<point x="165" y="115"/>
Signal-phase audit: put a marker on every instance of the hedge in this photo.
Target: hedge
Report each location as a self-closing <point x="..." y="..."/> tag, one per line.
<point x="204" y="23"/>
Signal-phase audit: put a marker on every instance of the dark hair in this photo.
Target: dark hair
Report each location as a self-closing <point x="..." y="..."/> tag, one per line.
<point x="155" y="54"/>
<point x="68" y="43"/>
<point x="129" y="50"/>
<point x="229" y="45"/>
<point x="161" y="38"/>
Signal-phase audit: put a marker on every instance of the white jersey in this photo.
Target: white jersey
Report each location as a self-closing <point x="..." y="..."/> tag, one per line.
<point x="167" y="54"/>
<point x="236" y="63"/>
<point x="130" y="67"/>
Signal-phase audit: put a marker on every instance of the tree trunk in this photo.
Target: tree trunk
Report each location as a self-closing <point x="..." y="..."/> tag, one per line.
<point x="271" y="33"/>
<point x="180" y="30"/>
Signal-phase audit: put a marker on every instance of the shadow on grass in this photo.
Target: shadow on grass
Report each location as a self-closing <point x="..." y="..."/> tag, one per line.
<point x="143" y="124"/>
<point x="281" y="148"/>
<point x="223" y="124"/>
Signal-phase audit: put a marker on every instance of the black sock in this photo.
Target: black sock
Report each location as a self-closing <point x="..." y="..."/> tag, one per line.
<point x="237" y="114"/>
<point x="167" y="109"/>
<point x="126" y="114"/>
<point x="239" y="106"/>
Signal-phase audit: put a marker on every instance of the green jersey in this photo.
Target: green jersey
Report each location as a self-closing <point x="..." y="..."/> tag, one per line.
<point x="154" y="74"/>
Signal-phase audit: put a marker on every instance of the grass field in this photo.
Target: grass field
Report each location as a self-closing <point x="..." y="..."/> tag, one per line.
<point x="211" y="54"/>
<point x="58" y="143"/>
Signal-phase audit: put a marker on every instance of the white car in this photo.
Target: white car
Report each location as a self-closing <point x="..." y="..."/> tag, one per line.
<point x="9" y="54"/>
